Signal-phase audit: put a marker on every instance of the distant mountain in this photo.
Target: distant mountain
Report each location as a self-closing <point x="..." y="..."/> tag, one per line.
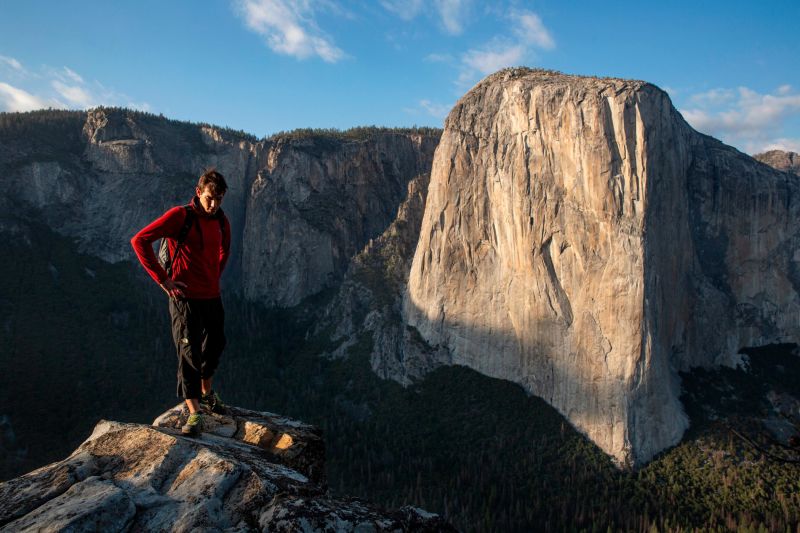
<point x="788" y="161"/>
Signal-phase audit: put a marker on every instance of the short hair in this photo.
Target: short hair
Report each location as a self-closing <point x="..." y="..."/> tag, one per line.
<point x="213" y="179"/>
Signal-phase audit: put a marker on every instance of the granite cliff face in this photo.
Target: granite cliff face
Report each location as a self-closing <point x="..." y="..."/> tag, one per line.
<point x="582" y="240"/>
<point x="316" y="203"/>
<point x="300" y="206"/>
<point x="787" y="161"/>
<point x="248" y="471"/>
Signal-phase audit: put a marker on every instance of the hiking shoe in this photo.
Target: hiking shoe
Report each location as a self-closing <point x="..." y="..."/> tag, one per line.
<point x="212" y="402"/>
<point x="193" y="425"/>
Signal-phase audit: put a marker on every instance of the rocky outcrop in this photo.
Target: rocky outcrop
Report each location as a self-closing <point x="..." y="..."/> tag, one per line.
<point x="300" y="205"/>
<point x="582" y="240"/>
<point x="247" y="471"/>
<point x="786" y="161"/>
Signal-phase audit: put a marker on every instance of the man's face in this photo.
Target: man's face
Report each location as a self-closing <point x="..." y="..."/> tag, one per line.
<point x="209" y="201"/>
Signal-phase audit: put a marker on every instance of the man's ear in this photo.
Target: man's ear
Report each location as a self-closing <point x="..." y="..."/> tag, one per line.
<point x="197" y="191"/>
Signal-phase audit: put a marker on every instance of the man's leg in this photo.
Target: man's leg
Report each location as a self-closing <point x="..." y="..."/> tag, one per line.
<point x="214" y="340"/>
<point x="213" y="344"/>
<point x="186" y="332"/>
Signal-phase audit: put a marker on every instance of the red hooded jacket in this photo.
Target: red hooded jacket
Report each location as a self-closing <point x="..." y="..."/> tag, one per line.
<point x="202" y="257"/>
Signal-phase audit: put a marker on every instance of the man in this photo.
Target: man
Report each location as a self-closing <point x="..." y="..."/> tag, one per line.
<point x="195" y="305"/>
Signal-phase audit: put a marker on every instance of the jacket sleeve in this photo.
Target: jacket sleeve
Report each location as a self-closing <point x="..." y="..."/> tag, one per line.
<point x="167" y="225"/>
<point x="225" y="247"/>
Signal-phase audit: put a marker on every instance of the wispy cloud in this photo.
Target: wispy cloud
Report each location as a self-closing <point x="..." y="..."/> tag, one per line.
<point x="72" y="75"/>
<point x="75" y="95"/>
<point x="435" y="109"/>
<point x="439" y="58"/>
<point x="744" y="117"/>
<point x="490" y="58"/>
<point x="787" y="145"/>
<point x="11" y="62"/>
<point x="16" y="99"/>
<point x="405" y="9"/>
<point x="289" y="27"/>
<point x="60" y="88"/>
<point x="713" y="97"/>
<point x="429" y="108"/>
<point x="452" y="15"/>
<point x="526" y="33"/>
<point x="530" y="30"/>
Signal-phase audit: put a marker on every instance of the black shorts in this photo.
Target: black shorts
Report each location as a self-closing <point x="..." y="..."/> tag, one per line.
<point x="198" y="329"/>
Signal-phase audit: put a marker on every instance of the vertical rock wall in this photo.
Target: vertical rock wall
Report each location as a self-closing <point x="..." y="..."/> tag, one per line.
<point x="562" y="248"/>
<point x="315" y="205"/>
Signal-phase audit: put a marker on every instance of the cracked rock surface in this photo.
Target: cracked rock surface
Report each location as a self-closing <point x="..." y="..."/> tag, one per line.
<point x="247" y="471"/>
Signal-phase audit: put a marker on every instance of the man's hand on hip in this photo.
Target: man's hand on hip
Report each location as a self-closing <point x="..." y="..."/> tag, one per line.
<point x="173" y="288"/>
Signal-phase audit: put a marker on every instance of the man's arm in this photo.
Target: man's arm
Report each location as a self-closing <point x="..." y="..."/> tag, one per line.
<point x="225" y="247"/>
<point x="167" y="225"/>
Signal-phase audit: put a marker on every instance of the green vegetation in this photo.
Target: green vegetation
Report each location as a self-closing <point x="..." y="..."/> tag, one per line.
<point x="359" y="133"/>
<point x="78" y="343"/>
<point x="40" y="136"/>
<point x="59" y="130"/>
<point x="83" y="340"/>
<point x="151" y="119"/>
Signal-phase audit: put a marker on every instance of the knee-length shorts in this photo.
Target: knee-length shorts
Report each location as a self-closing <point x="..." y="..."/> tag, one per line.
<point x="198" y="329"/>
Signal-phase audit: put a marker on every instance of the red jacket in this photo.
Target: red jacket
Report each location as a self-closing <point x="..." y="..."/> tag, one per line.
<point x="202" y="257"/>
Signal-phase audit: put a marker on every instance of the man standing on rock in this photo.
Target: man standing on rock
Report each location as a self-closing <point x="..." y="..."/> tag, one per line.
<point x="198" y="237"/>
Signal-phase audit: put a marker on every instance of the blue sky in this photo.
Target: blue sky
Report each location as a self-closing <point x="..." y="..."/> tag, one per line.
<point x="269" y="65"/>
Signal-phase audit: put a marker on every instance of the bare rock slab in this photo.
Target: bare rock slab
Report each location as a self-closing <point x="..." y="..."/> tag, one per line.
<point x="249" y="471"/>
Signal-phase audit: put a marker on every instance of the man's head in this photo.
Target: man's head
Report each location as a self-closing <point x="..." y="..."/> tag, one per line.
<point x="210" y="190"/>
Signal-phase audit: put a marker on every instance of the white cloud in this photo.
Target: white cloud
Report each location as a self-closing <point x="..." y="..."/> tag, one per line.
<point x="76" y="95"/>
<point x="405" y="9"/>
<point x="289" y="28"/>
<point x="453" y="14"/>
<point x="490" y="59"/>
<point x="673" y="92"/>
<point x="439" y="58"/>
<point x="60" y="88"/>
<point x="528" y="33"/>
<point x="787" y="145"/>
<point x="713" y="97"/>
<point x="72" y="75"/>
<point x="531" y="30"/>
<point x="11" y="62"/>
<point x="743" y="117"/>
<point x="435" y="109"/>
<point x="15" y="99"/>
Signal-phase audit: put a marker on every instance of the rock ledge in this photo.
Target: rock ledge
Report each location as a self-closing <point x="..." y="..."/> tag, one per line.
<point x="247" y="471"/>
